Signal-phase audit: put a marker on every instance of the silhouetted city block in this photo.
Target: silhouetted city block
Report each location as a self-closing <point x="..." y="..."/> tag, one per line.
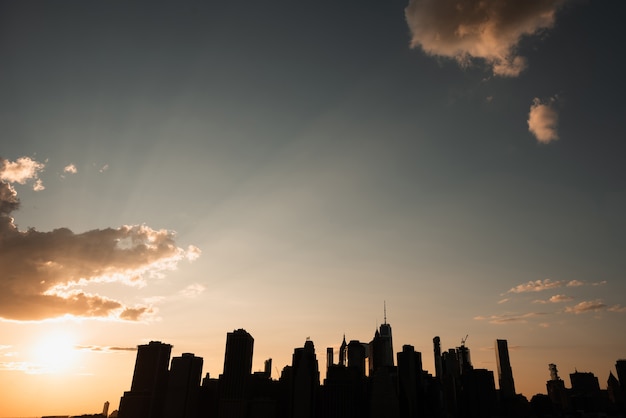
<point x="365" y="383"/>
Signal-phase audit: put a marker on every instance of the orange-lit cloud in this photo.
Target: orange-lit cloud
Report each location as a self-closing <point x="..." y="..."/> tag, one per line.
<point x="509" y="318"/>
<point x="586" y="306"/>
<point x="543" y="120"/>
<point x="555" y="299"/>
<point x="20" y="171"/>
<point x="44" y="273"/>
<point x="617" y="308"/>
<point x="104" y="349"/>
<point x="489" y="30"/>
<point x="70" y="169"/>
<point x="536" y="286"/>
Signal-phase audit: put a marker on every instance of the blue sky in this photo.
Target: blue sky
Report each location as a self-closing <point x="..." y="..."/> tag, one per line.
<point x="465" y="164"/>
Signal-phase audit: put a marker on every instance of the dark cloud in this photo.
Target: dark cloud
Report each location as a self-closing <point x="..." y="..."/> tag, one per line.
<point x="44" y="273"/>
<point x="485" y="29"/>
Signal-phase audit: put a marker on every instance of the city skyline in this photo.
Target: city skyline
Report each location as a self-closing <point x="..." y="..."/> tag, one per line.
<point x="172" y="171"/>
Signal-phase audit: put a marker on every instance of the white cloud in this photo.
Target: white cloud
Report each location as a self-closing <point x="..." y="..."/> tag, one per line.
<point x="543" y="120"/>
<point x="489" y="30"/>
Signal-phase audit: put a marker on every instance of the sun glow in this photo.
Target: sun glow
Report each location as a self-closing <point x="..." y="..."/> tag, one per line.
<point x="54" y="352"/>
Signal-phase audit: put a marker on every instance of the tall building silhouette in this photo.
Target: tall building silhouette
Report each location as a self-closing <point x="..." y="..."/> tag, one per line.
<point x="620" y="368"/>
<point x="381" y="348"/>
<point x="437" y="353"/>
<point x="183" y="387"/>
<point x="147" y="392"/>
<point x="234" y="381"/>
<point x="409" y="381"/>
<point x="306" y="382"/>
<point x="505" y="374"/>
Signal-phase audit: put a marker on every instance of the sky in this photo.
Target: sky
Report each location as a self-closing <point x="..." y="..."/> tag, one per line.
<point x="173" y="171"/>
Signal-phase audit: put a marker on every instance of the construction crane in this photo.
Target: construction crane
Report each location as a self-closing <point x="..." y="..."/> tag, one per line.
<point x="463" y="340"/>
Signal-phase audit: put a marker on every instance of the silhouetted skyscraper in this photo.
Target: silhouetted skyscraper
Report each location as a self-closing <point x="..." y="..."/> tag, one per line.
<point x="306" y="381"/>
<point x="343" y="352"/>
<point x="437" y="352"/>
<point x="381" y="348"/>
<point x="237" y="364"/>
<point x="147" y="392"/>
<point x="505" y="374"/>
<point x="620" y="368"/>
<point x="409" y="381"/>
<point x="234" y="382"/>
<point x="183" y="387"/>
<point x="356" y="356"/>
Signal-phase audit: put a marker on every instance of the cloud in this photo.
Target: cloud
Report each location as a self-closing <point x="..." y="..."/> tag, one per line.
<point x="543" y="120"/>
<point x="501" y="301"/>
<point x="555" y="299"/>
<point x="104" y="168"/>
<point x="509" y="318"/>
<point x="617" y="308"/>
<point x="70" y="169"/>
<point x="104" y="349"/>
<point x="586" y="306"/>
<point x="192" y="291"/>
<point x="489" y="30"/>
<point x="536" y="286"/>
<point x="575" y="283"/>
<point x="44" y="273"/>
<point x="20" y="171"/>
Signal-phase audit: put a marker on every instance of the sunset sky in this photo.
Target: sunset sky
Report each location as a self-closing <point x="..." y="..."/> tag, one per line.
<point x="176" y="170"/>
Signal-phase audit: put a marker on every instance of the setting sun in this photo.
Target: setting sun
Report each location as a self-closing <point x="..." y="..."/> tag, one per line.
<point x="53" y="352"/>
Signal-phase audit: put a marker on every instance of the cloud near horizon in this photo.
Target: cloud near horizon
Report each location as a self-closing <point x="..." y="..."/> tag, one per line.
<point x="586" y="306"/>
<point x="509" y="318"/>
<point x="44" y="273"/>
<point x="489" y="30"/>
<point x="543" y="120"/>
<point x="555" y="299"/>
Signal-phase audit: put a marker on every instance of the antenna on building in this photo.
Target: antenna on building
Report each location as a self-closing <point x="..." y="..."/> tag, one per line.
<point x="385" y="311"/>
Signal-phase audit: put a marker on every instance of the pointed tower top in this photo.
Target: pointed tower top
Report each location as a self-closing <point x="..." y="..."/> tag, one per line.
<point x="385" y="312"/>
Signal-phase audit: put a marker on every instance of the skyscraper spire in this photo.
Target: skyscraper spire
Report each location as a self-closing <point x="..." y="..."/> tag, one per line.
<point x="384" y="312"/>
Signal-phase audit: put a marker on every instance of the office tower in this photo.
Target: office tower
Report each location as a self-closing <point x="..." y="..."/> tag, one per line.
<point x="235" y="379"/>
<point x="381" y="347"/>
<point x="343" y="352"/>
<point x="267" y="368"/>
<point x="183" y="388"/>
<point x="147" y="392"/>
<point x="237" y="363"/>
<point x="105" y="409"/>
<point x="329" y="358"/>
<point x="356" y="357"/>
<point x="620" y="368"/>
<point x="505" y="374"/>
<point x="437" y="352"/>
<point x="409" y="381"/>
<point x="556" y="389"/>
<point x="306" y="381"/>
